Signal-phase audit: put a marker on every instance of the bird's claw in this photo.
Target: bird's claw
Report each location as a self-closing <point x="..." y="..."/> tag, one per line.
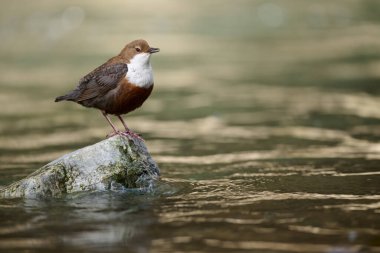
<point x="132" y="134"/>
<point x="127" y="133"/>
<point x="114" y="133"/>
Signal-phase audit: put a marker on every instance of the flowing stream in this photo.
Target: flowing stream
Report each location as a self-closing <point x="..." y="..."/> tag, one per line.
<point x="264" y="120"/>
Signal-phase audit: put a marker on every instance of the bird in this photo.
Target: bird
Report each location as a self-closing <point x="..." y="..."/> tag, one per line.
<point x="119" y="86"/>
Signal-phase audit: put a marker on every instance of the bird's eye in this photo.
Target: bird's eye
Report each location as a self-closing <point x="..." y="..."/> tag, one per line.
<point x="138" y="49"/>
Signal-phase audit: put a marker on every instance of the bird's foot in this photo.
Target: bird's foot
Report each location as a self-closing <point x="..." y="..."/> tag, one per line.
<point x="114" y="133"/>
<point x="132" y="134"/>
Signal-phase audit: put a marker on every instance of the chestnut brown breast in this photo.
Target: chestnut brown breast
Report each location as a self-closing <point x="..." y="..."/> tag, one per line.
<point x="127" y="98"/>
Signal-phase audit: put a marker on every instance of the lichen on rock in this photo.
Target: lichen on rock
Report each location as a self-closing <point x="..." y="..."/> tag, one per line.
<point x="117" y="161"/>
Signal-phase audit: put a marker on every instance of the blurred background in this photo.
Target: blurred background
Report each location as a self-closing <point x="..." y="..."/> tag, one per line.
<point x="264" y="120"/>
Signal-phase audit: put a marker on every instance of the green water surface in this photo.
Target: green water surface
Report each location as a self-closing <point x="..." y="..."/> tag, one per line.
<point x="264" y="120"/>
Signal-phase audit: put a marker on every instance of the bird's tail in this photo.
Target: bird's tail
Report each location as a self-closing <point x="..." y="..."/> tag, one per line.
<point x="60" y="98"/>
<point x="69" y="97"/>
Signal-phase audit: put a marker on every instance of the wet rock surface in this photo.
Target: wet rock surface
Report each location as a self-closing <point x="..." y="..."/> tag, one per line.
<point x="114" y="163"/>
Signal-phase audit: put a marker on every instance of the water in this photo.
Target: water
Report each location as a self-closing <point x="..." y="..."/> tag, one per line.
<point x="264" y="121"/>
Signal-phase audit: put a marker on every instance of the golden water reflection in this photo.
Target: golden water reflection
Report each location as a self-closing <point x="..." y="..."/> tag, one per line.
<point x="264" y="120"/>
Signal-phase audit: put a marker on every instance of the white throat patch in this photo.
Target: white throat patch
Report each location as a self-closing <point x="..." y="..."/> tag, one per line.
<point x="140" y="71"/>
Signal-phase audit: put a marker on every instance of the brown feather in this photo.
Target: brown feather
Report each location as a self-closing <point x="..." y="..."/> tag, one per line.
<point x="128" y="98"/>
<point x="106" y="87"/>
<point x="102" y="81"/>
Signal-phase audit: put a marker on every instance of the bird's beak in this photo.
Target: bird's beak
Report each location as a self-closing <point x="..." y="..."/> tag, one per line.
<point x="153" y="50"/>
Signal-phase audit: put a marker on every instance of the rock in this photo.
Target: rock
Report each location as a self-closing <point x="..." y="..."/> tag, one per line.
<point x="115" y="163"/>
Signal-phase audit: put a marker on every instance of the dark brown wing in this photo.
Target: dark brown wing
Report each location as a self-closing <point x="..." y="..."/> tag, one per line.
<point x="97" y="83"/>
<point x="101" y="81"/>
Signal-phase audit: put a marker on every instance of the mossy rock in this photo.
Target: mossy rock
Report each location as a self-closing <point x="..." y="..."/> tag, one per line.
<point x="115" y="162"/>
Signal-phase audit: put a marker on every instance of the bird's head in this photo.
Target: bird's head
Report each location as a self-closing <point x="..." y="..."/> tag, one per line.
<point x="138" y="49"/>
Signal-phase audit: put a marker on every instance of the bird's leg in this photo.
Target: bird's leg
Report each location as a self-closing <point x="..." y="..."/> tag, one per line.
<point x="112" y="125"/>
<point x="127" y="130"/>
<point x="122" y="121"/>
